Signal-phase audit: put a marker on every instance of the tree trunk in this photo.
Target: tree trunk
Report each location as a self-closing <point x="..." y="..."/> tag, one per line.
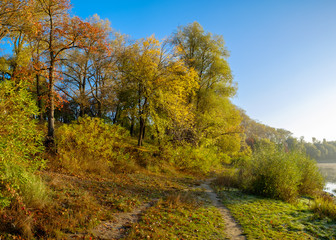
<point x="14" y="72"/>
<point x="115" y="119"/>
<point x="132" y="127"/>
<point x="50" y="142"/>
<point x="99" y="109"/>
<point x="81" y="110"/>
<point x="39" y="100"/>
<point x="81" y="97"/>
<point x="141" y="131"/>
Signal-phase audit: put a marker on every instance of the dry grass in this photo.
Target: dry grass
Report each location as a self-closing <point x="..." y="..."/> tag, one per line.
<point x="228" y="181"/>
<point x="79" y="203"/>
<point x="181" y="200"/>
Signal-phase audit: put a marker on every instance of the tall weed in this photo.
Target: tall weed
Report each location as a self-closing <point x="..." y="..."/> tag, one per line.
<point x="324" y="206"/>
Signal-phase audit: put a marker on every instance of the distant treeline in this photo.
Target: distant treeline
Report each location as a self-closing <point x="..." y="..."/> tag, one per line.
<point x="318" y="150"/>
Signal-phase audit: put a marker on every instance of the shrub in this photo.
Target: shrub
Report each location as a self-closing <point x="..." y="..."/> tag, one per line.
<point x="20" y="141"/>
<point x="324" y="206"/>
<point x="90" y="145"/>
<point x="20" y="147"/>
<point x="275" y="173"/>
<point x="195" y="159"/>
<point x="311" y="178"/>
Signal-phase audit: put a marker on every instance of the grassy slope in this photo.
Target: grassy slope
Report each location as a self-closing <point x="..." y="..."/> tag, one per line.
<point x="79" y="203"/>
<point x="81" y="199"/>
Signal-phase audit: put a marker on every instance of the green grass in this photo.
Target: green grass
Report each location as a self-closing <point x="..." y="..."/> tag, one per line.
<point x="179" y="216"/>
<point x="263" y="218"/>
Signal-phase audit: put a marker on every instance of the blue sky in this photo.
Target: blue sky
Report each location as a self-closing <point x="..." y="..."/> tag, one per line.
<point x="283" y="52"/>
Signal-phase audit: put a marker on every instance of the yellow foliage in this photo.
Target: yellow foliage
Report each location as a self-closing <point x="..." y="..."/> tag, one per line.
<point x="90" y="145"/>
<point x="159" y="86"/>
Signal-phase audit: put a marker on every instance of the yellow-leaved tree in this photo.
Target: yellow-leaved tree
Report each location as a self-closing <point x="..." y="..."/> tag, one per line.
<point x="217" y="120"/>
<point x="155" y="87"/>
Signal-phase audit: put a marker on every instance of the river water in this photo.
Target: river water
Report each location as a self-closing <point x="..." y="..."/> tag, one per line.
<point x="328" y="170"/>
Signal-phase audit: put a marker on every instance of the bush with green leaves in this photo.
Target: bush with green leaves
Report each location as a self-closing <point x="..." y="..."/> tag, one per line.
<point x="20" y="147"/>
<point x="91" y="145"/>
<point x="195" y="159"/>
<point x="275" y="173"/>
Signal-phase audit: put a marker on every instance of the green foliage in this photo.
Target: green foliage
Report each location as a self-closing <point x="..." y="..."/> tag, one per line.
<point x="321" y="151"/>
<point x="20" y="141"/>
<point x="275" y="173"/>
<point x="218" y="123"/>
<point x="20" y="147"/>
<point x="22" y="185"/>
<point x="154" y="87"/>
<point x="311" y="178"/>
<point x="195" y="159"/>
<point x="207" y="54"/>
<point x="217" y="120"/>
<point x="90" y="145"/>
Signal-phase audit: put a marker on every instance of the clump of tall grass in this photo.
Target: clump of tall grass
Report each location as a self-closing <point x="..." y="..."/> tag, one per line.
<point x="324" y="206"/>
<point x="228" y="179"/>
<point x="23" y="183"/>
<point x="181" y="200"/>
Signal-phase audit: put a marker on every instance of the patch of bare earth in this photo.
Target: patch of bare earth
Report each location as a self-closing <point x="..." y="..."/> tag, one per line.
<point x="116" y="228"/>
<point x="233" y="230"/>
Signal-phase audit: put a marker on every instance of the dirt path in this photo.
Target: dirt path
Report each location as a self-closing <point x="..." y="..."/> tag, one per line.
<point x="233" y="230"/>
<point x="116" y="229"/>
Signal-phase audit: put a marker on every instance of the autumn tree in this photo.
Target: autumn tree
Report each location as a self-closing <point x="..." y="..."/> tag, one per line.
<point x="75" y="84"/>
<point x="13" y="15"/>
<point x="88" y="70"/>
<point x="60" y="33"/>
<point x="16" y="23"/>
<point x="157" y="86"/>
<point x="20" y="25"/>
<point x="39" y="67"/>
<point x="103" y="70"/>
<point x="207" y="55"/>
<point x="216" y="118"/>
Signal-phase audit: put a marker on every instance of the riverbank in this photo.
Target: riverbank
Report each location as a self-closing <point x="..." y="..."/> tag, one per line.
<point x="328" y="170"/>
<point x="264" y="218"/>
